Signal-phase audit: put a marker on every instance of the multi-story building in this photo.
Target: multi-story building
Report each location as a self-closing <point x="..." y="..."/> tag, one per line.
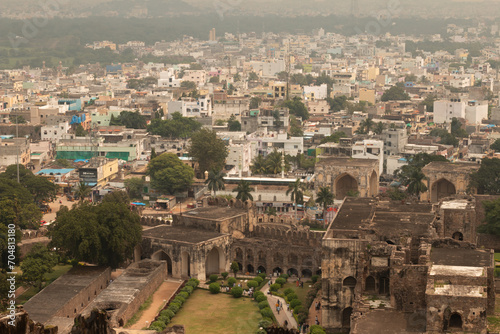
<point x="14" y="150"/>
<point x="55" y="132"/>
<point x="394" y="140"/>
<point x="473" y="111"/>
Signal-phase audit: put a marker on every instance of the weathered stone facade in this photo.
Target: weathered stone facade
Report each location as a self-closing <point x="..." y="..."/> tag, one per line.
<point x="347" y="176"/>
<point x="445" y="179"/>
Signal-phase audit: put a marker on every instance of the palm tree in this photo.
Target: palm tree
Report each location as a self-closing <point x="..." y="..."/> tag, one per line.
<point x="259" y="165"/>
<point x="365" y="126"/>
<point x="295" y="190"/>
<point x="215" y="181"/>
<point x="379" y="128"/>
<point x="244" y="191"/>
<point x="324" y="198"/>
<point x="415" y="184"/>
<point x="82" y="191"/>
<point x="274" y="163"/>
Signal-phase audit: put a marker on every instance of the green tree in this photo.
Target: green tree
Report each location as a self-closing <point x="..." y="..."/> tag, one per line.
<point x="104" y="234"/>
<point x="491" y="218"/>
<point x="457" y="130"/>
<point x="338" y="103"/>
<point x="295" y="127"/>
<point x="259" y="165"/>
<point x="176" y="127"/>
<point x="255" y="102"/>
<point x="243" y="191"/>
<point x="134" y="186"/>
<point x="80" y="131"/>
<point x="366" y="125"/>
<point x="17" y="119"/>
<point x="191" y="85"/>
<point x="208" y="150"/>
<point x="169" y="174"/>
<point x="324" y="198"/>
<point x="296" y="192"/>
<point x="215" y="79"/>
<point x="428" y="102"/>
<point x="82" y="191"/>
<point x="40" y="187"/>
<point x="38" y="262"/>
<point x="297" y="108"/>
<point x="496" y="145"/>
<point x="395" y="93"/>
<point x="129" y="119"/>
<point x="487" y="178"/>
<point x="215" y="181"/>
<point x="416" y="186"/>
<point x="252" y="76"/>
<point x="233" y="124"/>
<point x="236" y="77"/>
<point x="334" y="138"/>
<point x="235" y="267"/>
<point x="379" y="127"/>
<point x="153" y="154"/>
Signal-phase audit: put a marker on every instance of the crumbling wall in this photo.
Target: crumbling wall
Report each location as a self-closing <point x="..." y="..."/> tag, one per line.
<point x="24" y="325"/>
<point x="97" y="322"/>
<point x="408" y="284"/>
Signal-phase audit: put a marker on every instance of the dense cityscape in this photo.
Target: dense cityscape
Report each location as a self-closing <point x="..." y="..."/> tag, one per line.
<point x="309" y="169"/>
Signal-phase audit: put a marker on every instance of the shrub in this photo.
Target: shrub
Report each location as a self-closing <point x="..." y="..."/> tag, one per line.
<point x="263" y="304"/>
<point x="294" y="303"/>
<point x="188" y="289"/>
<point x="266" y="312"/>
<point x="231" y="281"/>
<point x="302" y="317"/>
<point x="298" y="309"/>
<point x="258" y="279"/>
<point x="275" y="287"/>
<point x="262" y="275"/>
<point x="317" y="329"/>
<point x="158" y="326"/>
<point x="314" y="278"/>
<point x="257" y="293"/>
<point x="214" y="288"/>
<point x="167" y="313"/>
<point x="224" y="274"/>
<point x="288" y="291"/>
<point x="261" y="298"/>
<point x="265" y="323"/>
<point x="237" y="292"/>
<point x="174" y="307"/>
<point x="281" y="281"/>
<point x="252" y="284"/>
<point x="292" y="296"/>
<point x="165" y="319"/>
<point x="184" y="295"/>
<point x="285" y="276"/>
<point x="497" y="272"/>
<point x="213" y="278"/>
<point x="195" y="281"/>
<point x="179" y="299"/>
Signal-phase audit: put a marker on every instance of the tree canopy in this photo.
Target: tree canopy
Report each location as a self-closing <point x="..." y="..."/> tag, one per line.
<point x="169" y="174"/>
<point x="40" y="187"/>
<point x="411" y="175"/>
<point x="491" y="217"/>
<point x="496" y="145"/>
<point x="103" y="234"/>
<point x="38" y="262"/>
<point x="233" y="124"/>
<point x="244" y="191"/>
<point x="487" y="178"/>
<point x="271" y="164"/>
<point x="177" y="127"/>
<point x="395" y="93"/>
<point x="129" y="119"/>
<point x="208" y="150"/>
<point x="297" y="108"/>
<point x="134" y="186"/>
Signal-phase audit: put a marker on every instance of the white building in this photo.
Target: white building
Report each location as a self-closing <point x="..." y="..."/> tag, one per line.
<point x="312" y="93"/>
<point x="268" y="68"/>
<point x="167" y="79"/>
<point x="268" y="142"/>
<point x="197" y="76"/>
<point x="394" y="163"/>
<point x="473" y="111"/>
<point x="189" y="107"/>
<point x="370" y="149"/>
<point x="54" y="132"/>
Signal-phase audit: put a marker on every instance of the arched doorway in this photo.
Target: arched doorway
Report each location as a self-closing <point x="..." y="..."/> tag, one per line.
<point x="442" y="188"/>
<point x="261" y="269"/>
<point x="370" y="284"/>
<point x="238" y="255"/>
<point x="250" y="269"/>
<point x="384" y="286"/>
<point x="292" y="272"/>
<point x="346" y="317"/>
<point x="186" y="264"/>
<point x="455" y="321"/>
<point x="278" y="270"/>
<point x="345" y="185"/>
<point x="162" y="256"/>
<point x="214" y="263"/>
<point x="373" y="184"/>
<point x="306" y="273"/>
<point x="240" y="266"/>
<point x="458" y="236"/>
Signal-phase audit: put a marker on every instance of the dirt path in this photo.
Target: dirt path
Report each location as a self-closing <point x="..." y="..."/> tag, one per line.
<point x="284" y="314"/>
<point x="313" y="313"/>
<point x="164" y="292"/>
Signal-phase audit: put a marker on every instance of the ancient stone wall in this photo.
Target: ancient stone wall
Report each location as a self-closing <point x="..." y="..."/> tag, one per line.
<point x="488" y="241"/>
<point x="24" y="325"/>
<point x="408" y="284"/>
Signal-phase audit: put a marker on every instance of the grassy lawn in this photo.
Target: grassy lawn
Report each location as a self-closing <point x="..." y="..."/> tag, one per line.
<point x="497" y="257"/>
<point x="301" y="292"/>
<point x="494" y="321"/>
<point x="214" y="314"/>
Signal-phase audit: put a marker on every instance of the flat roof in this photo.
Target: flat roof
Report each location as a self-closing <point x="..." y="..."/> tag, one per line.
<point x="44" y="305"/>
<point x="349" y="162"/>
<point x="449" y="167"/>
<point x="459" y="204"/>
<point x="440" y="270"/>
<point x="461" y="257"/>
<point x="459" y="290"/>
<point x="214" y="213"/>
<point x="54" y="171"/>
<point x="183" y="234"/>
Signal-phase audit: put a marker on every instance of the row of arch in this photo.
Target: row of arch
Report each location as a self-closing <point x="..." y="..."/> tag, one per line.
<point x="370" y="284"/>
<point x="347" y="185"/>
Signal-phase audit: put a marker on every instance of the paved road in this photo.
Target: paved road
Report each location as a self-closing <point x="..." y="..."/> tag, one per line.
<point x="284" y="314"/>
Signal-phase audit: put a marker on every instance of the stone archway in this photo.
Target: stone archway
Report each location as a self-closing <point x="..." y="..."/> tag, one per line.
<point x="238" y="254"/>
<point x="185" y="264"/>
<point x="384" y="286"/>
<point x="292" y="271"/>
<point x="346" y="317"/>
<point x="442" y="188"/>
<point x="345" y="184"/>
<point x="306" y="273"/>
<point x="349" y="282"/>
<point x="455" y="321"/>
<point x="261" y="269"/>
<point x="250" y="269"/>
<point x="458" y="236"/>
<point x="162" y="256"/>
<point x="370" y="284"/>
<point x="278" y="270"/>
<point x="373" y="184"/>
<point x="214" y="263"/>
